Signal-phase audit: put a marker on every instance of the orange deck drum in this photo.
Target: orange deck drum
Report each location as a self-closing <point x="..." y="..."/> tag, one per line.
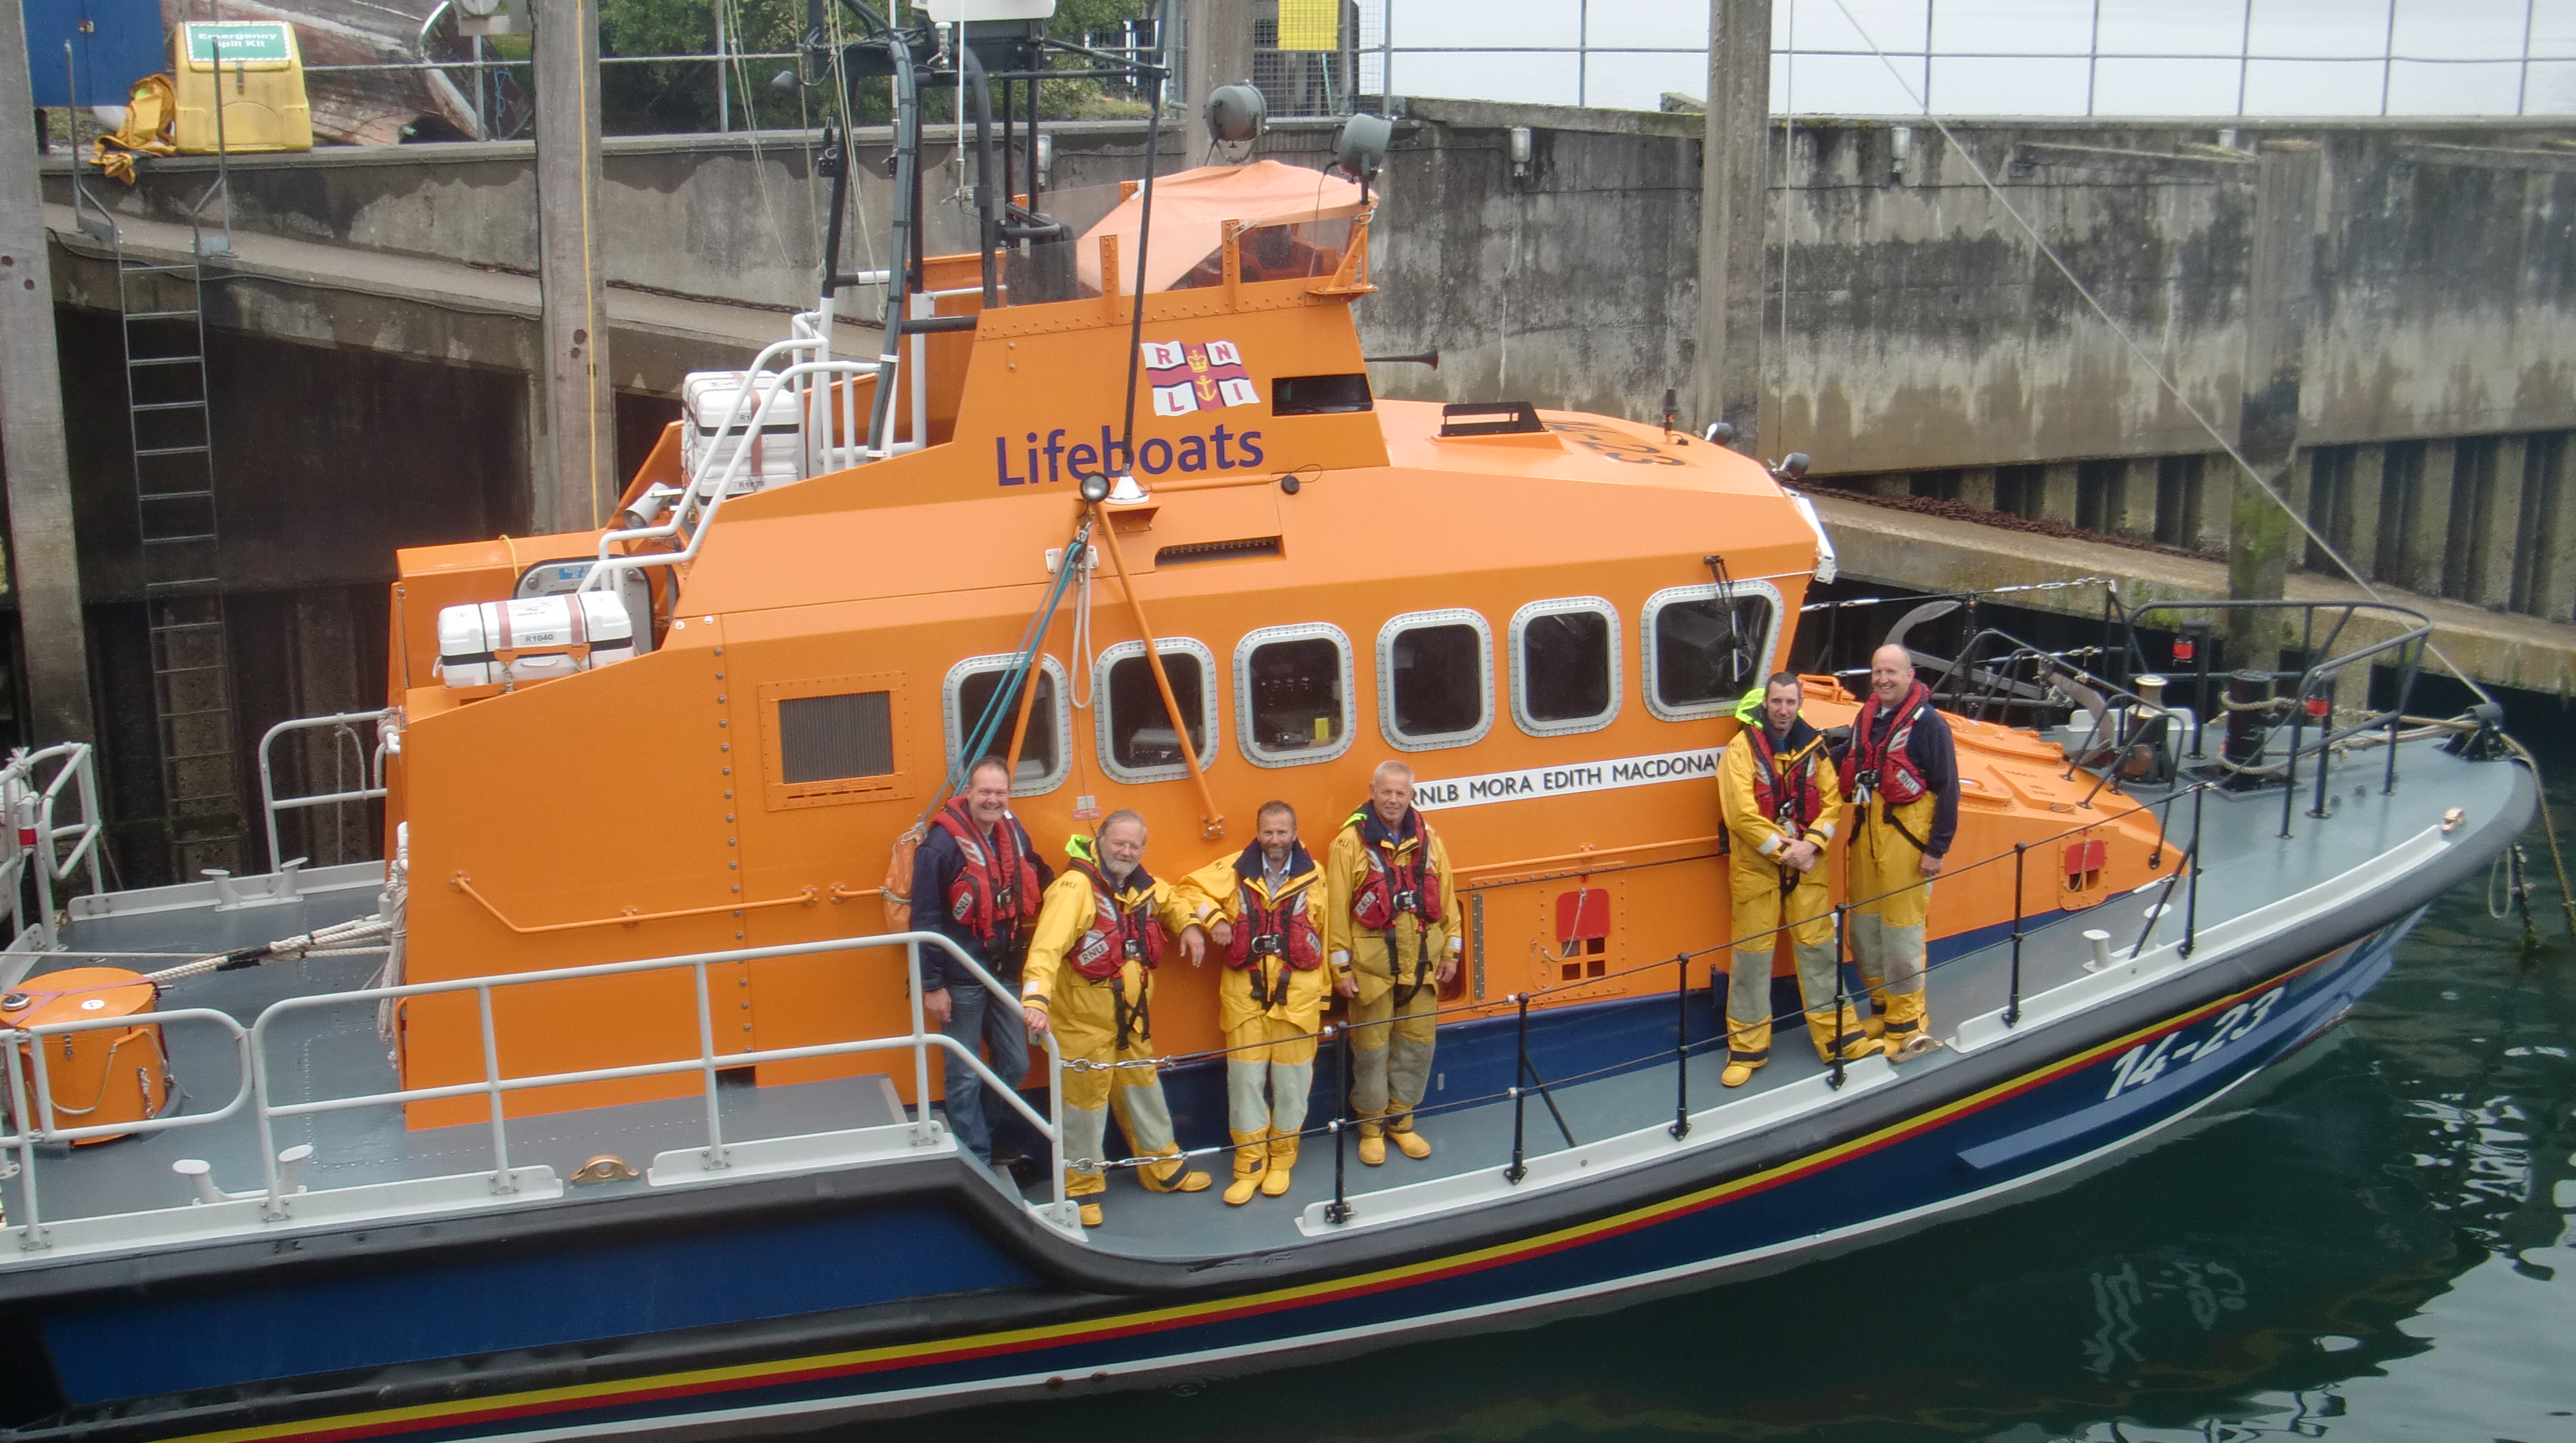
<point x="99" y="1075"/>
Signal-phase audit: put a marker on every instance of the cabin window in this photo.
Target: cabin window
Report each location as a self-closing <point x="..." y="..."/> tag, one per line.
<point x="1435" y="679"/>
<point x="1706" y="646"/>
<point x="826" y="741"/>
<point x="1565" y="666"/>
<point x="1292" y="691"/>
<point x="1044" y="759"/>
<point x="1137" y="740"/>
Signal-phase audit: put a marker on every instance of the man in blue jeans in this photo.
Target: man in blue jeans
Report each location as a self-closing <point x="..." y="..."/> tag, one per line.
<point x="976" y="880"/>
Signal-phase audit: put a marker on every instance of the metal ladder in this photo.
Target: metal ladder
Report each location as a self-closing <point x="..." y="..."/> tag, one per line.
<point x="171" y="425"/>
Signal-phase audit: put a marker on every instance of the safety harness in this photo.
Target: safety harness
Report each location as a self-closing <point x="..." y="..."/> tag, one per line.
<point x="1400" y="879"/>
<point x="1882" y="763"/>
<point x="1119" y="934"/>
<point x="997" y="888"/>
<point x="1277" y="926"/>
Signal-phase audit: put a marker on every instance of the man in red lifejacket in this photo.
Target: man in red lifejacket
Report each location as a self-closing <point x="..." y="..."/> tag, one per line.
<point x="1268" y="906"/>
<point x="1783" y="808"/>
<point x="1902" y="771"/>
<point x="1090" y="981"/>
<point x="976" y="880"/>
<point x="1391" y="911"/>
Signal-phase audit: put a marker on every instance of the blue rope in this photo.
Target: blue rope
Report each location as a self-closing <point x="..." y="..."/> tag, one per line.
<point x="1005" y="698"/>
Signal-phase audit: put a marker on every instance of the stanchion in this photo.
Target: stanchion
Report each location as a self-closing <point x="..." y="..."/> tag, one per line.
<point x="1339" y="1209"/>
<point x="1681" y="1044"/>
<point x="1520" y="1094"/>
<point x="2191" y="894"/>
<point x="2012" y="999"/>
<point x="1842" y="948"/>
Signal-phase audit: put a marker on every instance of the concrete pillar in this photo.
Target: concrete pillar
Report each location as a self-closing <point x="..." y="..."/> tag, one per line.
<point x="51" y="639"/>
<point x="1977" y="487"/>
<point x="2213" y="514"/>
<point x="2428" y="537"/>
<point x="572" y="270"/>
<point x="2554" y="585"/>
<point x="2137" y="516"/>
<point x="2496" y="551"/>
<point x="2057" y="485"/>
<point x="1888" y="483"/>
<point x="1735" y="193"/>
<point x="2278" y="309"/>
<point x="2369" y="476"/>
<point x="1217" y="35"/>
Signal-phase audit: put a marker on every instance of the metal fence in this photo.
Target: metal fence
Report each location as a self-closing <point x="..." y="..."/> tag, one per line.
<point x="2020" y="57"/>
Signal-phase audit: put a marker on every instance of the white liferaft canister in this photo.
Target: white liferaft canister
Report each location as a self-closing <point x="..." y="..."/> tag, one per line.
<point x="770" y="426"/>
<point x="532" y="639"/>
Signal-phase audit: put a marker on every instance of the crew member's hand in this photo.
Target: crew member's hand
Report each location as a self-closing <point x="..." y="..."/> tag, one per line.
<point x="1449" y="969"/>
<point x="1346" y="985"/>
<point x="1221" y="932"/>
<point x="1800" y="854"/>
<point x="938" y="1004"/>
<point x="1931" y="866"/>
<point x="1035" y="1018"/>
<point x="1194" y="946"/>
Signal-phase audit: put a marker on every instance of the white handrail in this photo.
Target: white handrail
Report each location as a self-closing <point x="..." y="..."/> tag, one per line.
<point x="27" y="828"/>
<point x="270" y="804"/>
<point x="255" y="1090"/>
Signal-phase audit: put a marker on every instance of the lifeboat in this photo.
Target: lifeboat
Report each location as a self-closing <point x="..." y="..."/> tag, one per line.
<point x="608" y="1100"/>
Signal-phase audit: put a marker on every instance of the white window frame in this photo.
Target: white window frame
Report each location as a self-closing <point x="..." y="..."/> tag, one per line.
<point x="1243" y="719"/>
<point x="1559" y="606"/>
<point x="1415" y="621"/>
<point x="1100" y="718"/>
<point x="1704" y="591"/>
<point x="953" y="721"/>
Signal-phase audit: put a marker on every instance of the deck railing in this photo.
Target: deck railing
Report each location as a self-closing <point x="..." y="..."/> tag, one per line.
<point x="37" y="851"/>
<point x="343" y="728"/>
<point x="34" y="1121"/>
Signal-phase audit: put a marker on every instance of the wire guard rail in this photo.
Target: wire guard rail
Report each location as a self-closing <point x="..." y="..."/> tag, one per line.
<point x="34" y="1121"/>
<point x="34" y="847"/>
<point x="343" y="728"/>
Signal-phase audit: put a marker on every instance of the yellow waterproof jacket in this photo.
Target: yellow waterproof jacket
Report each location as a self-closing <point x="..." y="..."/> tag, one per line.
<point x="1753" y="834"/>
<point x="1067" y="913"/>
<point x="1346" y="863"/>
<point x="1216" y="890"/>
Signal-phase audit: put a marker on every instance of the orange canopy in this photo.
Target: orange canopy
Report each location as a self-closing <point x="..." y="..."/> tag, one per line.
<point x="1192" y="207"/>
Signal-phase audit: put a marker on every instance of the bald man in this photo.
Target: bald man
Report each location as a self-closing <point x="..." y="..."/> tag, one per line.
<point x="1902" y="772"/>
<point x="1390" y="909"/>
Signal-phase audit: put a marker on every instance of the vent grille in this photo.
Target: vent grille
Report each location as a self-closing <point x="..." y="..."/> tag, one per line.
<point x="1248" y="546"/>
<point x="832" y="738"/>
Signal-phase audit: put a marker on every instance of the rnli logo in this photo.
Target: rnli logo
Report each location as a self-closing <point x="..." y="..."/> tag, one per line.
<point x="1188" y="378"/>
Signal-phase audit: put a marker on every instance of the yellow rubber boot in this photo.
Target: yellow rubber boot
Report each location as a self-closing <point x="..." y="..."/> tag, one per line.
<point x="1251" y="1161"/>
<point x="1173" y="1175"/>
<point x="1372" y="1139"/>
<point x="1908" y="1029"/>
<point x="1412" y="1144"/>
<point x="1091" y="1215"/>
<point x="1748" y="1046"/>
<point x="1283" y="1156"/>
<point x="1823" y="1031"/>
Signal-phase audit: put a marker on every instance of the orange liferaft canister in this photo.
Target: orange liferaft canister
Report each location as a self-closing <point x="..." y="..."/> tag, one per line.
<point x="98" y="1075"/>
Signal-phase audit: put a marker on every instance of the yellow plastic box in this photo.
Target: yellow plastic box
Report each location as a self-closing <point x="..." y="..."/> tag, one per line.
<point x="262" y="86"/>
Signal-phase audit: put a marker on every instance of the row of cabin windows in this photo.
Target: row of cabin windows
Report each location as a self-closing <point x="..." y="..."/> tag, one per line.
<point x="1295" y="698"/>
<point x="1703" y="648"/>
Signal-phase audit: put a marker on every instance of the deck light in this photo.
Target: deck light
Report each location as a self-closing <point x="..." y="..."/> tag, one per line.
<point x="1095" y="488"/>
<point x="1237" y="112"/>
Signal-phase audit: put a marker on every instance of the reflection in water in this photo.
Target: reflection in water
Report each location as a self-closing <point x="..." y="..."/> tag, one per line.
<point x="2377" y="1247"/>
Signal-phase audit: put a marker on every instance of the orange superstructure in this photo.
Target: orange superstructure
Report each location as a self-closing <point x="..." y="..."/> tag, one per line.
<point x="1551" y="623"/>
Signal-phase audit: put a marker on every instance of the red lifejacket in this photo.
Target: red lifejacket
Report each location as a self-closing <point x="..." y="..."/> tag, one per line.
<point x="1797" y="807"/>
<point x="1400" y="879"/>
<point x="997" y="888"/>
<point x="1118" y="935"/>
<point x="1280" y="927"/>
<point x="1883" y="765"/>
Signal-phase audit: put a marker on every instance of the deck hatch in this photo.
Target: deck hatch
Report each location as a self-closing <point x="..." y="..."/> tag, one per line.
<point x="1490" y="418"/>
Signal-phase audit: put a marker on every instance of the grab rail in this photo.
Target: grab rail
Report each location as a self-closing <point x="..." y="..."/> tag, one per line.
<point x="270" y="803"/>
<point x="33" y="1122"/>
<point x="28" y="832"/>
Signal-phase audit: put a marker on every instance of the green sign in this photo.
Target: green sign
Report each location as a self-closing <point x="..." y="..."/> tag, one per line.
<point x="244" y="42"/>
